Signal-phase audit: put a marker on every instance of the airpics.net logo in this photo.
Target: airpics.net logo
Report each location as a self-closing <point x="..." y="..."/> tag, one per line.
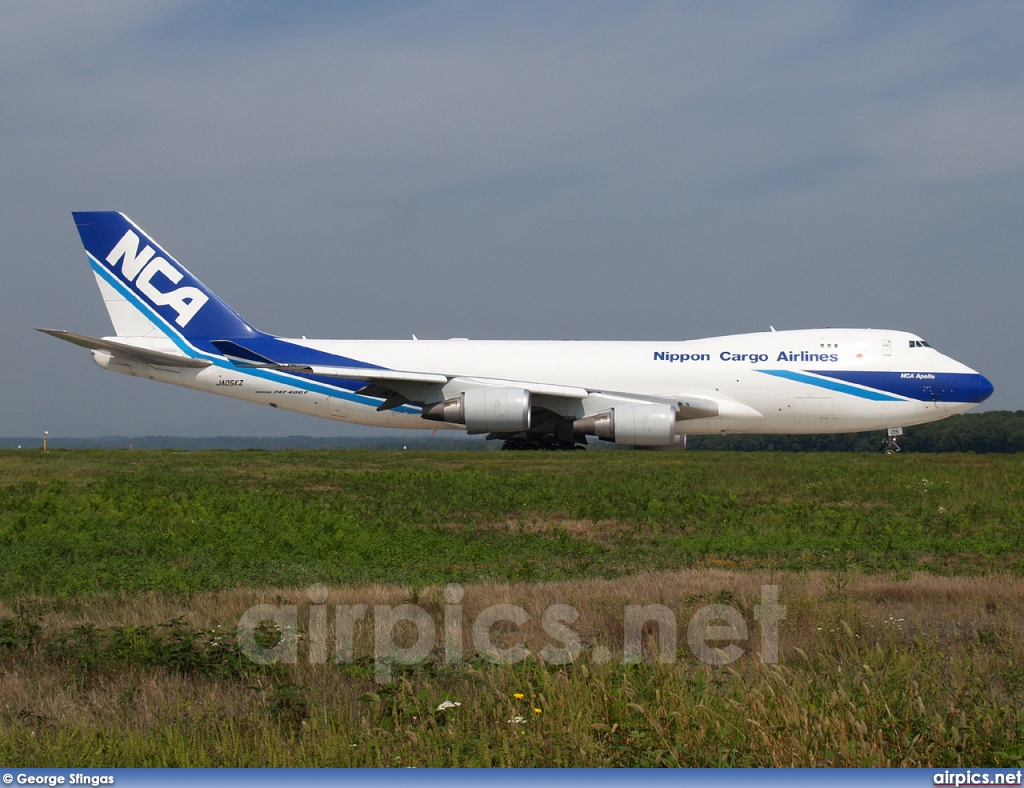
<point x="140" y="268"/>
<point x="974" y="777"/>
<point x="713" y="633"/>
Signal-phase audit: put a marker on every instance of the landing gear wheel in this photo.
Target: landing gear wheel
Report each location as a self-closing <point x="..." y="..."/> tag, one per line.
<point x="539" y="443"/>
<point x="889" y="445"/>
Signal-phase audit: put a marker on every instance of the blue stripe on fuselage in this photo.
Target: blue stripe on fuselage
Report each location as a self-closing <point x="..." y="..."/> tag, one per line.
<point x="965" y="387"/>
<point x="922" y="386"/>
<point x="831" y="385"/>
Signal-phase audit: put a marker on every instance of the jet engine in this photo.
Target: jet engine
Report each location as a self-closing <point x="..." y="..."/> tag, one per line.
<point x="632" y="425"/>
<point x="485" y="410"/>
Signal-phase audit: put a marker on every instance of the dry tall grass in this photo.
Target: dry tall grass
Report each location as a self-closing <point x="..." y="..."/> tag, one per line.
<point x="922" y="671"/>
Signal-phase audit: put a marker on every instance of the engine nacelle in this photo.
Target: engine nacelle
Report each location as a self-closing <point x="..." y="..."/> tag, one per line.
<point x="485" y="410"/>
<point x="632" y="425"/>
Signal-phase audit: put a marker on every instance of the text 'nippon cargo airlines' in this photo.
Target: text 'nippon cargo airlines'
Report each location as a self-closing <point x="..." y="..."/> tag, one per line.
<point x="169" y="327"/>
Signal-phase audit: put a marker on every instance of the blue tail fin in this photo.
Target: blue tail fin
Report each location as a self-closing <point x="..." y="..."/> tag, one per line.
<point x="147" y="290"/>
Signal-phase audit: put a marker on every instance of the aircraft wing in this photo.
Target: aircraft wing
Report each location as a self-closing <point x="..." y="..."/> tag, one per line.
<point x="686" y="407"/>
<point x="396" y="376"/>
<point x="126" y="351"/>
<point x="369" y="374"/>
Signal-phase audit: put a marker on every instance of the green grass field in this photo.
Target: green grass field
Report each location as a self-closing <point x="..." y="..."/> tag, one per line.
<point x="92" y="521"/>
<point x="125" y="573"/>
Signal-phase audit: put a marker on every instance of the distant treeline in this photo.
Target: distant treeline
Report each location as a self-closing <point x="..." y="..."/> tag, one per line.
<point x="994" y="432"/>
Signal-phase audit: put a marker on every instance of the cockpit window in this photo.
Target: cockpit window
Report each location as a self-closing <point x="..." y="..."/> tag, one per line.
<point x="919" y="343"/>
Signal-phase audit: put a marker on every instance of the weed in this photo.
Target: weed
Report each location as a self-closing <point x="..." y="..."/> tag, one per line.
<point x="287" y="701"/>
<point x="1014" y="757"/>
<point x="22" y="632"/>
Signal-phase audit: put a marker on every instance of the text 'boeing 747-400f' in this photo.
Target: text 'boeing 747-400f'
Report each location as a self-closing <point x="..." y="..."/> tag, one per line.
<point x="169" y="327"/>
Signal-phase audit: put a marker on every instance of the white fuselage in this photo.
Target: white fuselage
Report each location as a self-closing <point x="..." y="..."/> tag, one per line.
<point x="773" y="382"/>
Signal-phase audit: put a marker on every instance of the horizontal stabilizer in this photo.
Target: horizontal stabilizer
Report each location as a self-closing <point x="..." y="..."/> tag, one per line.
<point x="126" y="351"/>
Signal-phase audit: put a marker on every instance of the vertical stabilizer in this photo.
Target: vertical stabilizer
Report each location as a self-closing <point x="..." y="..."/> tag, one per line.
<point x="147" y="292"/>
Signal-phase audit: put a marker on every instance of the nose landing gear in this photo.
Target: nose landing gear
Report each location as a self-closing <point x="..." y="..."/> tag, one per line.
<point x="889" y="445"/>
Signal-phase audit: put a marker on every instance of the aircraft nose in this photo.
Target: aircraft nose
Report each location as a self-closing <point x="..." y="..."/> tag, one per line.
<point x="985" y="388"/>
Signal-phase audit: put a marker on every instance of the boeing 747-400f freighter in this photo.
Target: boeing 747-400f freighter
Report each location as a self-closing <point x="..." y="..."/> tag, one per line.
<point x="169" y="327"/>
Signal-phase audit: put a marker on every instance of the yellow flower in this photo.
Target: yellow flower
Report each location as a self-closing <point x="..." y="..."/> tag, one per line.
<point x="518" y="695"/>
<point x="536" y="711"/>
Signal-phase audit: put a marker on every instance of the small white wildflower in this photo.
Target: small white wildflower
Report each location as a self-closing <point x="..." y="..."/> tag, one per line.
<point x="449" y="704"/>
<point x="517" y="720"/>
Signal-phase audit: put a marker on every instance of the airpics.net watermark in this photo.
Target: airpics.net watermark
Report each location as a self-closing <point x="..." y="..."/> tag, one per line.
<point x="712" y="624"/>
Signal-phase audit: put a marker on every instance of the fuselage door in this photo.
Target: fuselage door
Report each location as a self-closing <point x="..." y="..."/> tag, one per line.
<point x="886" y="347"/>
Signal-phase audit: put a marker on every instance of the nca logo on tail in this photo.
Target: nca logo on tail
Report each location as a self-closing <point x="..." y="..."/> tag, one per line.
<point x="141" y="267"/>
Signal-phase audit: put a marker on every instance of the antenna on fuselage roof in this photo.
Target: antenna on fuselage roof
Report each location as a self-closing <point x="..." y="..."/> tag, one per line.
<point x="772" y="328"/>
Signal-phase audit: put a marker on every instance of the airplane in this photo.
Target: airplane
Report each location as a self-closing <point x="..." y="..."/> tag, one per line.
<point x="171" y="328"/>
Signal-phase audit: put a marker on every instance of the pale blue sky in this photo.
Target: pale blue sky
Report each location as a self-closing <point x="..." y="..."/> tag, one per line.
<point x="511" y="170"/>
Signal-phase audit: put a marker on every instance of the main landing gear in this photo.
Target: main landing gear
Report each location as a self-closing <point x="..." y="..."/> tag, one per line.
<point x="539" y="443"/>
<point x="889" y="445"/>
<point x="550" y="432"/>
